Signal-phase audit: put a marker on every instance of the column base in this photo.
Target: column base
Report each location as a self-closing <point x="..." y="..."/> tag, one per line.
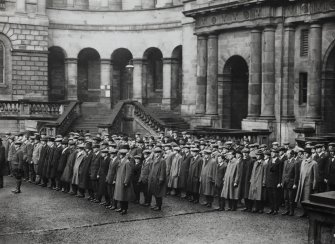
<point x="213" y="121"/>
<point x="106" y="101"/>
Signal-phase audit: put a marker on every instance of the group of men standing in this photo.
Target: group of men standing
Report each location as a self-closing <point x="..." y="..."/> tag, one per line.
<point x="117" y="169"/>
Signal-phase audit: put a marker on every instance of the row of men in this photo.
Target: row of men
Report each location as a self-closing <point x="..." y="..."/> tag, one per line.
<point x="119" y="170"/>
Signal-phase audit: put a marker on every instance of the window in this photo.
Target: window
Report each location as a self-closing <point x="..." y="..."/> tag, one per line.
<point x="2" y="63"/>
<point x="302" y="88"/>
<point x="304" y="43"/>
<point x="2" y="4"/>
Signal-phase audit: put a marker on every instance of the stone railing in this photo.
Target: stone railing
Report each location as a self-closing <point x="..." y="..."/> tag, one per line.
<point x="120" y="113"/>
<point x="71" y="112"/>
<point x="25" y="109"/>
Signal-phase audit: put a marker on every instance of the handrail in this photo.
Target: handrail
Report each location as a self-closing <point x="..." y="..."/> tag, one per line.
<point x="139" y="111"/>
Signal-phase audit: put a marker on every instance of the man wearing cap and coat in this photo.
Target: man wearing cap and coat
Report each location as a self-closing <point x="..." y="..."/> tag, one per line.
<point x="144" y="176"/>
<point x="157" y="179"/>
<point x="76" y="171"/>
<point x="93" y="172"/>
<point x="55" y="161"/>
<point x="207" y="178"/>
<point x="41" y="162"/>
<point x="175" y="171"/>
<point x="193" y="179"/>
<point x="111" y="177"/>
<point x="66" y="177"/>
<point x="248" y="163"/>
<point x="17" y="166"/>
<point x="85" y="167"/>
<point x="2" y="163"/>
<point x="184" y="171"/>
<point x="62" y="163"/>
<point x="101" y="176"/>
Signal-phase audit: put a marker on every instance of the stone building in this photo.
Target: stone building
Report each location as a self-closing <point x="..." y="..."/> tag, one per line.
<point x="252" y="64"/>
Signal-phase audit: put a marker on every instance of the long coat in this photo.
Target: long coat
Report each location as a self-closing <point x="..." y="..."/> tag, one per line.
<point x="168" y="162"/>
<point x="232" y="176"/>
<point x="102" y="173"/>
<point x="174" y="171"/>
<point x="42" y="160"/>
<point x="330" y="174"/>
<point x="184" y="170"/>
<point x="68" y="170"/>
<point x="55" y="161"/>
<point x="257" y="181"/>
<point x="193" y="179"/>
<point x="48" y="164"/>
<point x="123" y="177"/>
<point x="207" y="177"/>
<point x="289" y="174"/>
<point x="84" y="171"/>
<point x="95" y="165"/>
<point x="248" y="164"/>
<point x="322" y="166"/>
<point x="76" y="168"/>
<point x="62" y="161"/>
<point x="273" y="173"/>
<point x="112" y="170"/>
<point x="145" y="170"/>
<point x="220" y="174"/>
<point x="2" y="160"/>
<point x="308" y="180"/>
<point x="157" y="177"/>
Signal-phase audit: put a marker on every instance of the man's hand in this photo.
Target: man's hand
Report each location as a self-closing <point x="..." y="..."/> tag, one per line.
<point x="235" y="184"/>
<point x="294" y="186"/>
<point x="125" y="185"/>
<point x="278" y="186"/>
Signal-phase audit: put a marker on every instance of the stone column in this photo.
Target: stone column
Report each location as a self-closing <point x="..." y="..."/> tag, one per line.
<point x="137" y="80"/>
<point x="115" y="4"/>
<point x="314" y="74"/>
<point x="212" y="76"/>
<point x="21" y="6"/>
<point x="288" y="74"/>
<point x="70" y="3"/>
<point x="71" y="77"/>
<point x="41" y="7"/>
<point x="105" y="87"/>
<point x="167" y="83"/>
<point x="148" y="4"/>
<point x="268" y="74"/>
<point x="176" y="82"/>
<point x="201" y="75"/>
<point x="255" y="76"/>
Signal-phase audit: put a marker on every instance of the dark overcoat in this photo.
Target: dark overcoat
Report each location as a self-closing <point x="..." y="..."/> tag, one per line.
<point x="95" y="165"/>
<point x="184" y="170"/>
<point x="84" y="170"/>
<point x="62" y="161"/>
<point x="2" y="160"/>
<point x="124" y="190"/>
<point x="68" y="170"/>
<point x="112" y="170"/>
<point x="246" y="174"/>
<point x="157" y="177"/>
<point x="55" y="161"/>
<point x="207" y="177"/>
<point x="193" y="179"/>
<point x="43" y="159"/>
<point x="102" y="173"/>
<point x="289" y="171"/>
<point x="273" y="173"/>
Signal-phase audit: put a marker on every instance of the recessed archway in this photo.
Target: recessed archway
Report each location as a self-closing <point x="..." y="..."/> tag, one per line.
<point x="89" y="75"/>
<point x="56" y="74"/>
<point x="235" y="92"/>
<point x="153" y="74"/>
<point x="122" y="80"/>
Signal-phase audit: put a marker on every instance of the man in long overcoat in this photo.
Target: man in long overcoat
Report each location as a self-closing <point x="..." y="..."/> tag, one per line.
<point x="2" y="163"/>
<point x="93" y="172"/>
<point x="66" y="177"/>
<point x="101" y="176"/>
<point x="157" y="179"/>
<point x="220" y="174"/>
<point x="207" y="178"/>
<point x="175" y="171"/>
<point x="193" y="180"/>
<point x="62" y="163"/>
<point x="143" y="180"/>
<point x="55" y="161"/>
<point x="111" y="177"/>
<point x="41" y="162"/>
<point x="17" y="166"/>
<point x="232" y="179"/>
<point x="84" y="169"/>
<point x="124" y="191"/>
<point x="184" y="170"/>
<point x="168" y="161"/>
<point x="257" y="182"/>
<point x="76" y="171"/>
<point x="248" y="163"/>
<point x="308" y="178"/>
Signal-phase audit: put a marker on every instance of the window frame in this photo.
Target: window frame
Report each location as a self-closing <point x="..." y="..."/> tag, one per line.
<point x="304" y="37"/>
<point x="3" y="67"/>
<point x="303" y="88"/>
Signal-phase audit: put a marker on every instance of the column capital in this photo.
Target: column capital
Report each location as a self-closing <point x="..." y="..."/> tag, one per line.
<point x="213" y="36"/>
<point x="169" y="60"/>
<point x="315" y="24"/>
<point x="71" y="60"/>
<point x="202" y="37"/>
<point x="289" y="27"/>
<point x="256" y="30"/>
<point x="270" y="28"/>
<point x="138" y="60"/>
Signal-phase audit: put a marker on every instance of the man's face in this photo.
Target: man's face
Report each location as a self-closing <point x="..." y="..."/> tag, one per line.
<point x="245" y="155"/>
<point x="306" y="155"/>
<point x="319" y="149"/>
<point x="258" y="157"/>
<point x="103" y="154"/>
<point x="95" y="149"/>
<point x="332" y="154"/>
<point x="281" y="153"/>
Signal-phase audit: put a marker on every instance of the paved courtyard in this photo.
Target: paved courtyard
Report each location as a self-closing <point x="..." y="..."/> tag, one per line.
<point x="41" y="215"/>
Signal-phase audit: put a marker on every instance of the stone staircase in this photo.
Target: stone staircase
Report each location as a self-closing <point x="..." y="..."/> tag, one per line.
<point x="171" y="118"/>
<point x="92" y="114"/>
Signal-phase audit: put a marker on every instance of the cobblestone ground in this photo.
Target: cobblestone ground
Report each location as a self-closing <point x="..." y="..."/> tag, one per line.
<point x="41" y="215"/>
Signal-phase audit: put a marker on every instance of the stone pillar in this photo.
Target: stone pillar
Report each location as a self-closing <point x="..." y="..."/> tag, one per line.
<point x="168" y="3"/>
<point x="105" y="87"/>
<point x="268" y="74"/>
<point x="148" y="4"/>
<point x="314" y="74"/>
<point x="288" y="74"/>
<point x="70" y="3"/>
<point x="21" y="6"/>
<point x="255" y="76"/>
<point x="137" y="80"/>
<point x="212" y="76"/>
<point x="71" y="77"/>
<point x="176" y="82"/>
<point x="41" y="7"/>
<point x="167" y="83"/>
<point x="201" y="75"/>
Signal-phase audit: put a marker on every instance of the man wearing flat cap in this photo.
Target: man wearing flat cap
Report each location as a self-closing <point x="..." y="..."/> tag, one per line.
<point x="111" y="177"/>
<point x="84" y="169"/>
<point x="308" y="178"/>
<point x="207" y="178"/>
<point x="193" y="180"/>
<point x="17" y="166"/>
<point x="183" y="172"/>
<point x="102" y="176"/>
<point x="248" y="163"/>
<point x="54" y="164"/>
<point x="322" y="160"/>
<point x="67" y="174"/>
<point x="174" y="171"/>
<point x="41" y="161"/>
<point x="2" y="162"/>
<point x="144" y="177"/>
<point x="93" y="172"/>
<point x="76" y="171"/>
<point x="65" y="153"/>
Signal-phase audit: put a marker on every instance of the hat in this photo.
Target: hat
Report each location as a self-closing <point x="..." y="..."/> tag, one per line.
<point x="18" y="143"/>
<point x="137" y="156"/>
<point x="286" y="143"/>
<point x="71" y="143"/>
<point x="274" y="150"/>
<point x="308" y="142"/>
<point x="147" y="151"/>
<point x="123" y="151"/>
<point x="318" y="145"/>
<point x="229" y="142"/>
<point x="81" y="146"/>
<point x="259" y="152"/>
<point x="157" y="150"/>
<point x="113" y="151"/>
<point x="65" y="141"/>
<point x="104" y="150"/>
<point x="195" y="149"/>
<point x="245" y="150"/>
<point x="176" y="148"/>
<point x="58" y="139"/>
<point x="52" y="139"/>
<point x="105" y="143"/>
<point x="87" y="134"/>
<point x="282" y="149"/>
<point x="8" y="133"/>
<point x="207" y="151"/>
<point x="238" y="151"/>
<point x="267" y="152"/>
<point x="97" y="139"/>
<point x="263" y="146"/>
<point x="96" y="146"/>
<point x="275" y="143"/>
<point x="331" y="144"/>
<point x="308" y="150"/>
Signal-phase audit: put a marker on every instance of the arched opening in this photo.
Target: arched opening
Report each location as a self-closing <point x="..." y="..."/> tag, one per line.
<point x="56" y="74"/>
<point x="88" y="75"/>
<point x="329" y="91"/>
<point x="235" y="92"/>
<point x="153" y="75"/>
<point x="177" y="77"/>
<point x="122" y="79"/>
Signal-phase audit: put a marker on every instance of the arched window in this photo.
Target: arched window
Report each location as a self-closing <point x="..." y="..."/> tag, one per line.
<point x="2" y="63"/>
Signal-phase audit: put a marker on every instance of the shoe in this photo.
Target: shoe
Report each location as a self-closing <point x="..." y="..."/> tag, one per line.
<point x="303" y="215"/>
<point x="245" y="210"/>
<point x="103" y="203"/>
<point x="291" y="214"/>
<point x="123" y="212"/>
<point x="157" y="209"/>
<point x="285" y="213"/>
<point x="145" y="204"/>
<point x="270" y="212"/>
<point x="30" y="181"/>
<point x="209" y="205"/>
<point x="112" y="208"/>
<point x="72" y="193"/>
<point x="80" y="196"/>
<point x="204" y="204"/>
<point x="275" y="213"/>
<point x="96" y="201"/>
<point x="229" y="209"/>
<point x="118" y="210"/>
<point x="196" y="201"/>
<point x="16" y="191"/>
<point x="152" y="207"/>
<point x="260" y="211"/>
<point x="190" y="200"/>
